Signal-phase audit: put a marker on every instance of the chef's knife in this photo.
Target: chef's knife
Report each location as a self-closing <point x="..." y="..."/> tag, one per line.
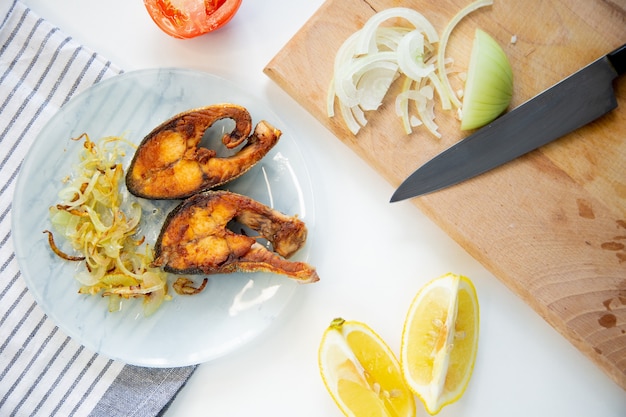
<point x="577" y="100"/>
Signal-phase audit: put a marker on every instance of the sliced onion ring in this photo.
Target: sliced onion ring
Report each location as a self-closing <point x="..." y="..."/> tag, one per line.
<point x="370" y="60"/>
<point x="444" y="42"/>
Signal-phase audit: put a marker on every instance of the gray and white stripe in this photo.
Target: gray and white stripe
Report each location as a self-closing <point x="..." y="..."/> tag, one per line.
<point x="42" y="371"/>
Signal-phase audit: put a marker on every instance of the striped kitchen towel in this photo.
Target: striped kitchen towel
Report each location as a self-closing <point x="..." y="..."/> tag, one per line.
<point x="42" y="371"/>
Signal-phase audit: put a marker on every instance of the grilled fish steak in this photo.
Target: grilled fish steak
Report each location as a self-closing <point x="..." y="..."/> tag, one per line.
<point x="195" y="238"/>
<point x="170" y="163"/>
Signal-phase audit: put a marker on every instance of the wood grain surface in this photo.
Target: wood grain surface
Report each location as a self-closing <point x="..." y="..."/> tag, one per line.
<point x="552" y="224"/>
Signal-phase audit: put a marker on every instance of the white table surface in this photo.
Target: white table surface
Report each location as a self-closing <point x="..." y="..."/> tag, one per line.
<point x="372" y="256"/>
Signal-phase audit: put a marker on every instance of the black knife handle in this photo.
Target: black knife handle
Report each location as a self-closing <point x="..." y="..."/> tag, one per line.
<point x="618" y="59"/>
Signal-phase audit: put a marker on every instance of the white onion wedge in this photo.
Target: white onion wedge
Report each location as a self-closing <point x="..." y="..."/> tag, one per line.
<point x="489" y="83"/>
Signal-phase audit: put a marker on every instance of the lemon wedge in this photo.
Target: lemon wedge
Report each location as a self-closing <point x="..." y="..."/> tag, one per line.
<point x="489" y="83"/>
<point x="440" y="340"/>
<point x="361" y="373"/>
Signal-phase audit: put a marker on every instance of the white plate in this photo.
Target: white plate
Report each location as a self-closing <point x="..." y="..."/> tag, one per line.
<point x="233" y="308"/>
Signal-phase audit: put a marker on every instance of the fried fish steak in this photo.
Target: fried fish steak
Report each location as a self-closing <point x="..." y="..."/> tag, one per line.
<point x="170" y="163"/>
<point x="195" y="238"/>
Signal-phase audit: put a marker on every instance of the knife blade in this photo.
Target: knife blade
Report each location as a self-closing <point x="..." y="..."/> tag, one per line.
<point x="568" y="105"/>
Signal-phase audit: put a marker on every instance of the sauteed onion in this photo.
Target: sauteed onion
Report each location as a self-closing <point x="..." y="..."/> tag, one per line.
<point x="97" y="222"/>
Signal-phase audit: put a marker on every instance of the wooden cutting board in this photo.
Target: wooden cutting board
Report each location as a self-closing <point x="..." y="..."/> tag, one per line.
<point x="552" y="224"/>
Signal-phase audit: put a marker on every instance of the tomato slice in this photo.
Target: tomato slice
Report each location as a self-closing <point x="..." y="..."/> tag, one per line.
<point x="190" y="18"/>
